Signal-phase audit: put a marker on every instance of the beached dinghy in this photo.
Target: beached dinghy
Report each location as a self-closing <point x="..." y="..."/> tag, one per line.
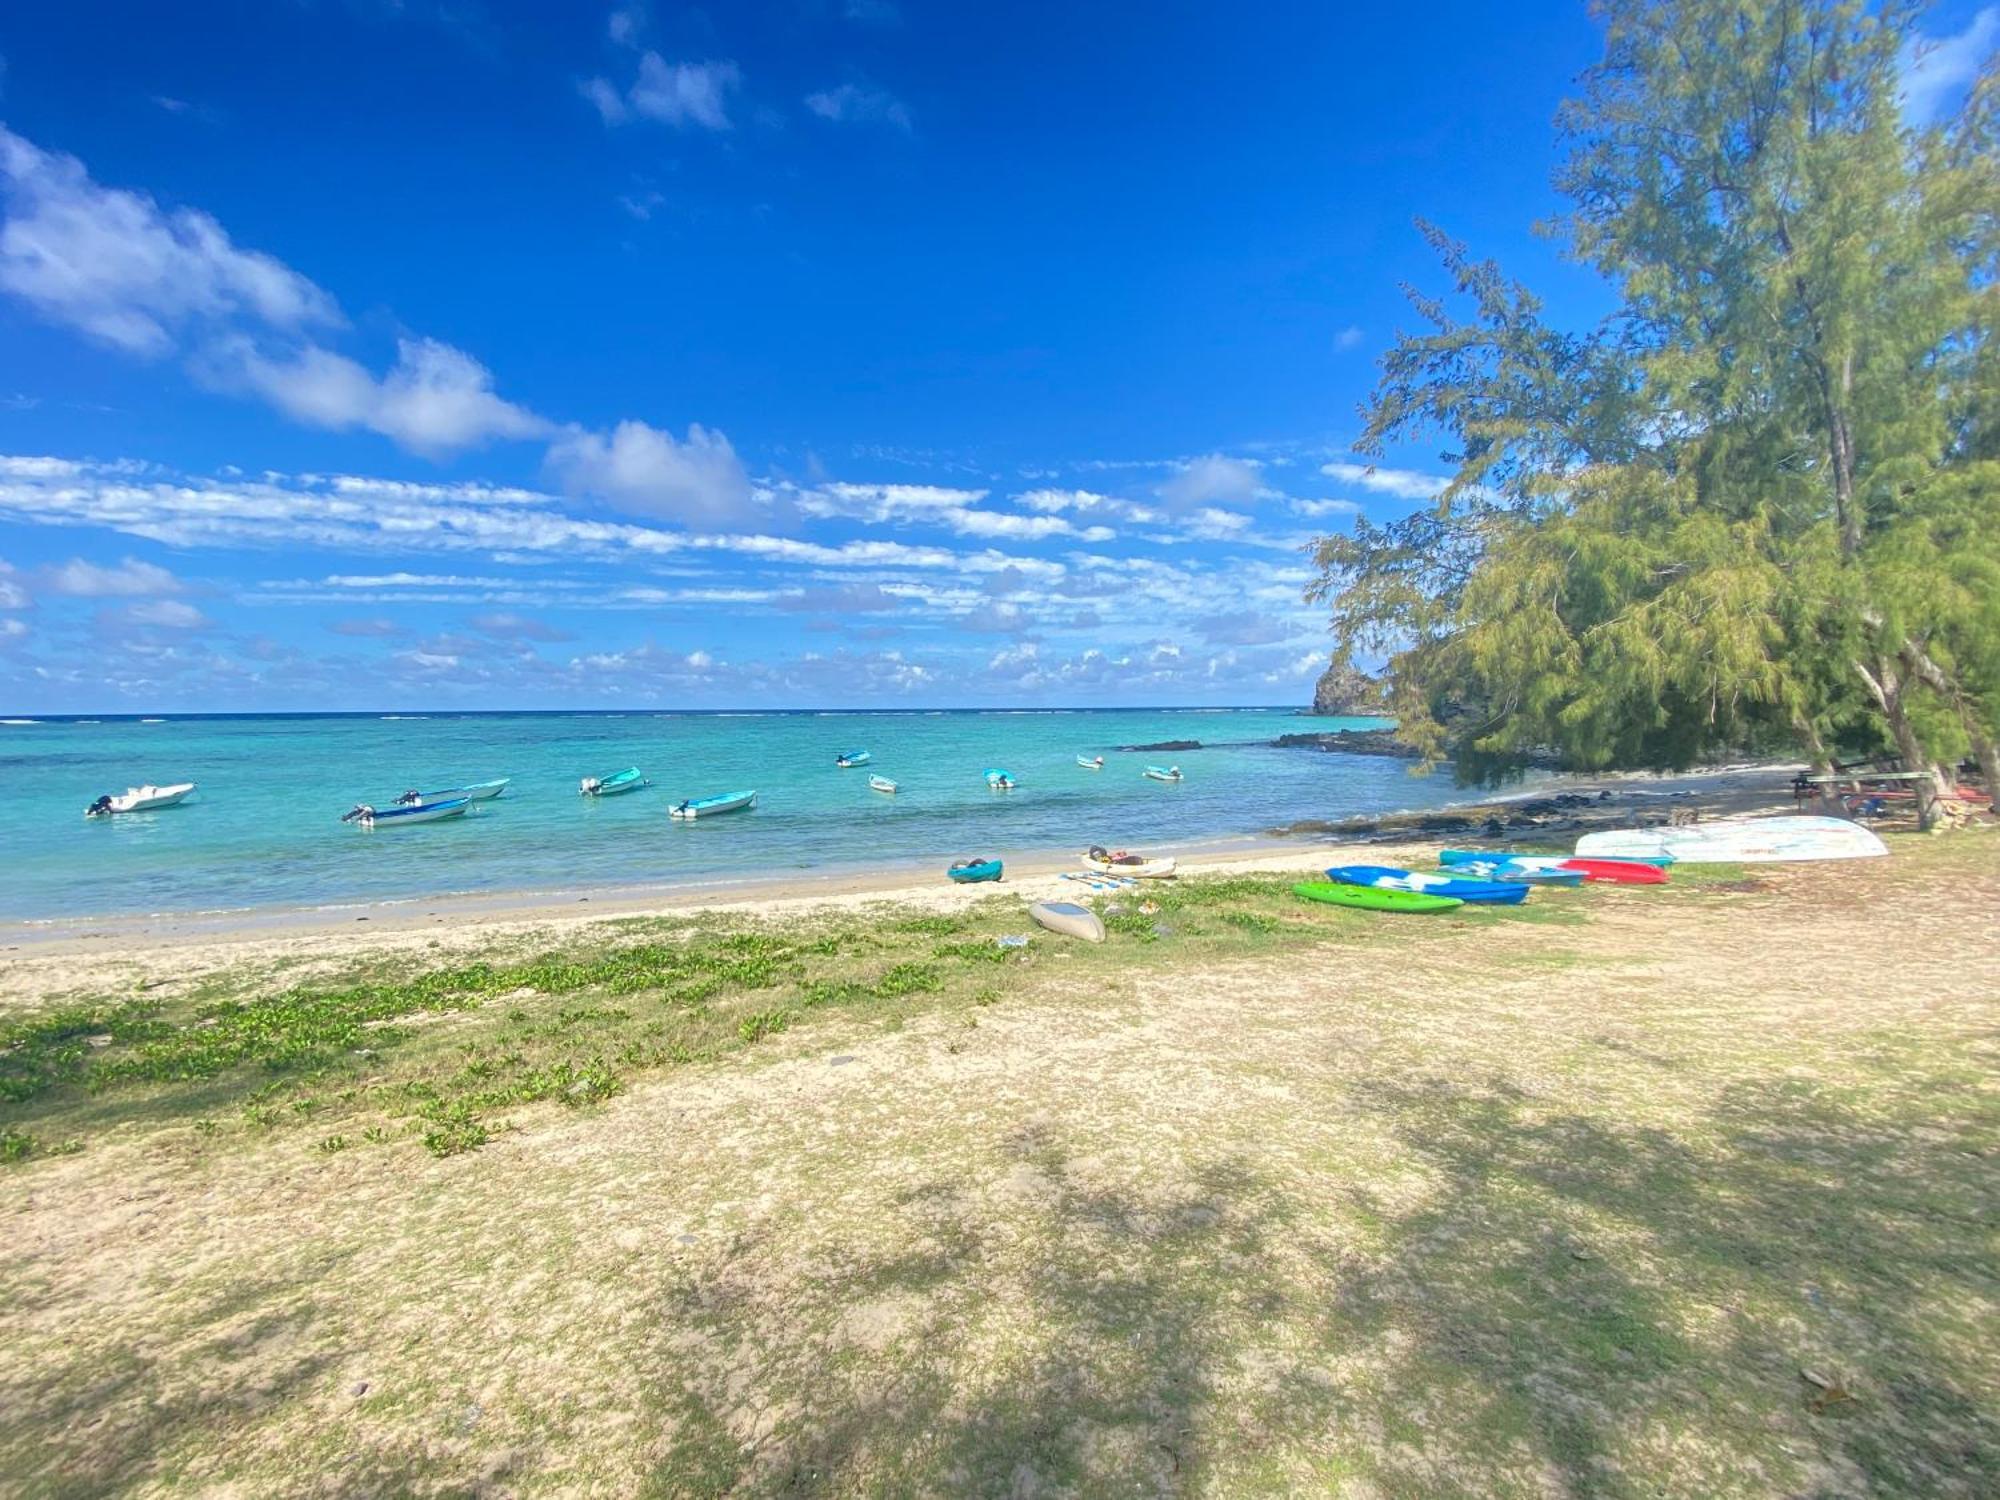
<point x="708" y="807"/>
<point x="1461" y="857"/>
<point x="148" y="798"/>
<point x="1372" y="898"/>
<point x="1744" y="841"/>
<point x="999" y="780"/>
<point x="1069" y="919"/>
<point x="614" y="785"/>
<point x="1466" y="888"/>
<point x="403" y="817"/>
<point x="1162" y="773"/>
<point x="974" y="871"/>
<point x="1124" y="862"/>
<point x="882" y="784"/>
<point x="1522" y="869"/>
<point x="847" y="759"/>
<point x="479" y="791"/>
<point x="1091" y="762"/>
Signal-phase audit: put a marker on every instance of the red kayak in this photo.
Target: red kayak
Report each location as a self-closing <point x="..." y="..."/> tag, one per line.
<point x="1616" y="871"/>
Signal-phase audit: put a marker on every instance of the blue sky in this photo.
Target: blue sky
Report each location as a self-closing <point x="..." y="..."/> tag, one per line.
<point x="363" y="354"/>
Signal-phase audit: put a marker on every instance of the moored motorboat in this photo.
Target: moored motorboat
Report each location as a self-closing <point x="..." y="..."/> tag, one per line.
<point x="614" y="785"/>
<point x="1162" y="773"/>
<point x="1069" y="919"/>
<point x="1464" y="887"/>
<point x="973" y="871"/>
<point x="847" y="759"/>
<point x="1091" y="762"/>
<point x="402" y="817"/>
<point x="478" y="791"/>
<point x="1124" y="862"/>
<point x="882" y="784"/>
<point x="709" y="807"/>
<point x="147" y="798"/>
<point x="999" y="780"/>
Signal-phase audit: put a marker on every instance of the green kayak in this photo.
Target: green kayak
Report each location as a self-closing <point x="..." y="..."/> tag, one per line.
<point x="1372" y="897"/>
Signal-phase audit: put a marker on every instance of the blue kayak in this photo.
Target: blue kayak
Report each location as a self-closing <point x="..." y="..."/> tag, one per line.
<point x="975" y="870"/>
<point x="1528" y="869"/>
<point x="1389" y="878"/>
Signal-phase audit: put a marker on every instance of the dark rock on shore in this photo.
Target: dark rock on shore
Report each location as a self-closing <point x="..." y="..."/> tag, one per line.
<point x="1166" y="745"/>
<point x="1350" y="742"/>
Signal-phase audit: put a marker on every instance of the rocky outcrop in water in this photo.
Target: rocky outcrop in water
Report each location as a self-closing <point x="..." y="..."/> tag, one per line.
<point x="1347" y="690"/>
<point x="1350" y="742"/>
<point x="1166" y="745"/>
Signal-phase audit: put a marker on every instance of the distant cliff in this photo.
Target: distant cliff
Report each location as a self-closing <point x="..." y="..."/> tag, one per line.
<point x="1345" y="690"/>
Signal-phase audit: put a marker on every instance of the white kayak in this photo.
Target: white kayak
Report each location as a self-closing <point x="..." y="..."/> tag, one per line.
<point x="139" y="799"/>
<point x="1132" y="866"/>
<point x="1738" y="841"/>
<point x="1069" y="919"/>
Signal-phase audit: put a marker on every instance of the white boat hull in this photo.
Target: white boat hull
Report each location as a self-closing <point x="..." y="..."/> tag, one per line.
<point x="150" y="798"/>
<point x="712" y="807"/>
<point x="1145" y="869"/>
<point x="1747" y="841"/>
<point x="1069" y="919"/>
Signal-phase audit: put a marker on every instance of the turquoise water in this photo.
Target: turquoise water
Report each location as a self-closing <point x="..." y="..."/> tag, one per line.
<point x="264" y="829"/>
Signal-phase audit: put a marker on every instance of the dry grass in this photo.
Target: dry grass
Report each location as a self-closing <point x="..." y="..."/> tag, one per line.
<point x="1678" y="1193"/>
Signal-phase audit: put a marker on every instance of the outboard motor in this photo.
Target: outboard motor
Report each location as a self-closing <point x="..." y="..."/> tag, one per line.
<point x="99" y="808"/>
<point x="361" y="811"/>
<point x="589" y="785"/>
<point x="410" y="798"/>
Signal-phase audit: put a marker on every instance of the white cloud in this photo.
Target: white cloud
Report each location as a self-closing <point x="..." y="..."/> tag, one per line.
<point x="125" y="271"/>
<point x="435" y="401"/>
<point x="13" y="593"/>
<point x="13" y="630"/>
<point x="624" y="25"/>
<point x="1404" y="484"/>
<point x="1320" y="509"/>
<point x="1936" y="69"/>
<point x="647" y="472"/>
<point x="677" y="94"/>
<point x="1349" y="337"/>
<point x="130" y="579"/>
<point x="852" y="104"/>
<point x="167" y="614"/>
<point x="1211" y="478"/>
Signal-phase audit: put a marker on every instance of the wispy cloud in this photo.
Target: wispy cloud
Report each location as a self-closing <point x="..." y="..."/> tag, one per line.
<point x="1404" y="484"/>
<point x="1938" y="70"/>
<point x="1210" y="479"/>
<point x="130" y="579"/>
<point x="857" y="104"/>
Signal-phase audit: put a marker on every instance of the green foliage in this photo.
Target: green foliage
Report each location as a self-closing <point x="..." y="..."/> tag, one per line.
<point x="1761" y="502"/>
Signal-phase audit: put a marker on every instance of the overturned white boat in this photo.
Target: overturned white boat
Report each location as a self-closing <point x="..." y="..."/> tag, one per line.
<point x="146" y="798"/>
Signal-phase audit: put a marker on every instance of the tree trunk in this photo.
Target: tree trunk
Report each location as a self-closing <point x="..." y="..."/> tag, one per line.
<point x="1886" y="683"/>
<point x="1989" y="765"/>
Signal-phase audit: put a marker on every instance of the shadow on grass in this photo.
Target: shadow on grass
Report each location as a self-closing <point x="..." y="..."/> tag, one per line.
<point x="1784" y="1296"/>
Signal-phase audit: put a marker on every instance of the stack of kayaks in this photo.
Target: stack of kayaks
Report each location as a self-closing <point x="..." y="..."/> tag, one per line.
<point x="1464" y="888"/>
<point x="1499" y="865"/>
<point x="1552" y="868"/>
<point x="974" y="871"/>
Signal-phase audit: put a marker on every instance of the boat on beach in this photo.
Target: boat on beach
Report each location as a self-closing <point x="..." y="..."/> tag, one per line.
<point x="1091" y="762"/>
<point x="479" y="791"/>
<point x="1162" y="773"/>
<point x="882" y="784"/>
<point x="1464" y="887"/>
<point x="709" y="807"/>
<point x="848" y="759"/>
<point x="147" y="798"/>
<point x="402" y="817"/>
<point x="974" y="871"/>
<point x="1069" y="919"/>
<point x="1124" y="862"/>
<point x="999" y="780"/>
<point x="1746" y="841"/>
<point x="614" y="785"/>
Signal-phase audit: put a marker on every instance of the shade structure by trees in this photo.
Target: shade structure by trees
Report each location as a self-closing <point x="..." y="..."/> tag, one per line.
<point x="1759" y="505"/>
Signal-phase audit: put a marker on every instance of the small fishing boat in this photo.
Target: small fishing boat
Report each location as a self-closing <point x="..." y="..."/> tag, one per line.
<point x="848" y="759"/>
<point x="402" y="817"/>
<point x="709" y="807"/>
<point x="1371" y="898"/>
<point x="1091" y="762"/>
<point x="1124" y="862"/>
<point x="1465" y="887"/>
<point x="614" y="785"/>
<point x="999" y="780"/>
<point x="882" y="784"/>
<point x="1069" y="919"/>
<point x="1162" y="773"/>
<point x="148" y="798"/>
<point x="479" y="791"/>
<point x="973" y="871"/>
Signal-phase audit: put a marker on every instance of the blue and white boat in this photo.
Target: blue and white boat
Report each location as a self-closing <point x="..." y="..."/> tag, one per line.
<point x="403" y="817"/>
<point x="1510" y="868"/>
<point x="848" y="759"/>
<point x="709" y="807"/>
<point x="478" y="791"/>
<point x="615" y="785"/>
<point x="999" y="780"/>
<point x="1091" y="762"/>
<point x="1162" y="773"/>
<point x="1389" y="878"/>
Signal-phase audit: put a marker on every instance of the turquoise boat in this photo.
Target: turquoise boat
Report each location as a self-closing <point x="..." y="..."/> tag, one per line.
<point x="478" y="791"/>
<point x="850" y="758"/>
<point x="1162" y="773"/>
<point x="1465" y="888"/>
<point x="999" y="780"/>
<point x="1091" y="762"/>
<point x="972" y="871"/>
<point x="708" y="807"/>
<point x="614" y="785"/>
